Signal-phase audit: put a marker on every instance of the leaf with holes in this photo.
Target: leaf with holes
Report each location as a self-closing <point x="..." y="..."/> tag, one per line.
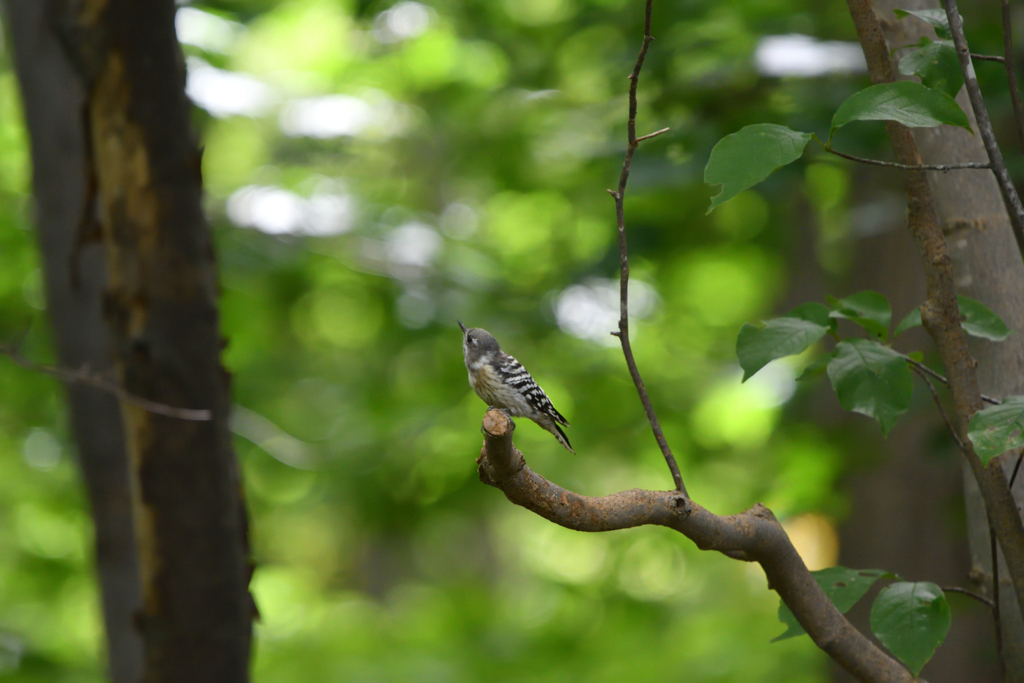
<point x="868" y="309"/>
<point x="935" y="17"/>
<point x="936" y="64"/>
<point x="843" y="586"/>
<point x="747" y="157"/>
<point x="872" y="380"/>
<point x="906" y="102"/>
<point x="911" y="620"/>
<point x="997" y="429"/>
<point x="979" y="321"/>
<point x="756" y="346"/>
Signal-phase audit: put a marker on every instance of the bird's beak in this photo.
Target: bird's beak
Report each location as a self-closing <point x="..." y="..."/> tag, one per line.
<point x="462" y="326"/>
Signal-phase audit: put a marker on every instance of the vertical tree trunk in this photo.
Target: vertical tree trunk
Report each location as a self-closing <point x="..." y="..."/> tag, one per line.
<point x="988" y="267"/>
<point x="161" y="306"/>
<point x="54" y="102"/>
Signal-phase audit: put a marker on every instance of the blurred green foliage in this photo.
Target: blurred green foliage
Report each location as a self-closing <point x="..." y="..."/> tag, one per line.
<point x="376" y="171"/>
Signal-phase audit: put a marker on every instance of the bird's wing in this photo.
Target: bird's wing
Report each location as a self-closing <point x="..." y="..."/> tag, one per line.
<point x="513" y="373"/>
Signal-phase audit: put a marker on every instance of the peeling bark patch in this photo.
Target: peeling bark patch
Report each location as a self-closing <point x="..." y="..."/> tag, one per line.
<point x="130" y="205"/>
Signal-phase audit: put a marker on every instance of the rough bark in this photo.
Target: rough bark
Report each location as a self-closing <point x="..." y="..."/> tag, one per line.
<point x="54" y="100"/>
<point x="753" y="536"/>
<point x="161" y="307"/>
<point x="987" y="267"/>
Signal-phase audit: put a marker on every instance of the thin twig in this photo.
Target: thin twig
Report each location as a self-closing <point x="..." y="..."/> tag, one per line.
<point x="925" y="368"/>
<point x="977" y="596"/>
<point x="87" y="377"/>
<point x="1010" y="197"/>
<point x="995" y="601"/>
<point x="1016" y="468"/>
<point x="987" y="58"/>
<point x="1011" y="72"/>
<point x="652" y="135"/>
<point x="935" y="395"/>
<point x="623" y="331"/>
<point x="907" y="167"/>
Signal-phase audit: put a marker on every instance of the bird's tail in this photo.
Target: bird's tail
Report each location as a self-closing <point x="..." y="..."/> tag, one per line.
<point x="560" y="435"/>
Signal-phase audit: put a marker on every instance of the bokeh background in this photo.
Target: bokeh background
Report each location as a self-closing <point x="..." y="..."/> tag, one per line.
<point x="377" y="170"/>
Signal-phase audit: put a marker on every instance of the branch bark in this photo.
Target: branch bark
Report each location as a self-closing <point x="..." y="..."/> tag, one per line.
<point x="754" y="536"/>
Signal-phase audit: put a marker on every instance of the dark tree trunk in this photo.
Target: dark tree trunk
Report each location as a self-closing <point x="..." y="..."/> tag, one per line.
<point x="54" y="104"/>
<point x="160" y="304"/>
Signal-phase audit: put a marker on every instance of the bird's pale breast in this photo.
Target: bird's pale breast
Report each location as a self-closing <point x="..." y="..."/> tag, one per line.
<point x="489" y="387"/>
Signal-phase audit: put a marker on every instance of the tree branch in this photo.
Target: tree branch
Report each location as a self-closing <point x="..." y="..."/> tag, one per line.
<point x="995" y="602"/>
<point x="618" y="196"/>
<point x="940" y="313"/>
<point x="922" y="368"/>
<point x="86" y="376"/>
<point x="988" y="136"/>
<point x="971" y="594"/>
<point x="906" y="167"/>
<point x="938" y="404"/>
<point x="754" y="535"/>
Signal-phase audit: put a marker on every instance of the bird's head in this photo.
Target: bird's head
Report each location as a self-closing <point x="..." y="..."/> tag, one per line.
<point x="478" y="344"/>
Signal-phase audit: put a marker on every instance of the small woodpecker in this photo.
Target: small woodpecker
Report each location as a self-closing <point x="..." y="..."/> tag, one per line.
<point x="502" y="382"/>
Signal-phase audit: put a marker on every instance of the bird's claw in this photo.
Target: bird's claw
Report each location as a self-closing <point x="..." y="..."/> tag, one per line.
<point x="503" y="411"/>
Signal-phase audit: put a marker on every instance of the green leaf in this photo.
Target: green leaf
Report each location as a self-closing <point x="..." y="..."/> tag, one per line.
<point x="872" y="380"/>
<point x="844" y="588"/>
<point x="815" y="368"/>
<point x="912" y="320"/>
<point x="997" y="429"/>
<point x="937" y="65"/>
<point x="868" y="309"/>
<point x="978" y="321"/>
<point x="935" y="17"/>
<point x="756" y="346"/>
<point x="906" y="102"/>
<point x="911" y="620"/>
<point x="813" y="312"/>
<point x="747" y="157"/>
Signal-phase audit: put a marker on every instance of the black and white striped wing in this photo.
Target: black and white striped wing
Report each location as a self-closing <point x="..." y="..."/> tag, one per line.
<point x="515" y="375"/>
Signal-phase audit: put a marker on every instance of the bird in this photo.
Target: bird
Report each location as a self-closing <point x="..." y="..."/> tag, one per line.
<point x="503" y="383"/>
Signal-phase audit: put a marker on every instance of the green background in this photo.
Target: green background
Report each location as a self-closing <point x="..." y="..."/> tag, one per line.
<point x="471" y="185"/>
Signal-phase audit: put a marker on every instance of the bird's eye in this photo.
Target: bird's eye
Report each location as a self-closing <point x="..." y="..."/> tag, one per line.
<point x="471" y="340"/>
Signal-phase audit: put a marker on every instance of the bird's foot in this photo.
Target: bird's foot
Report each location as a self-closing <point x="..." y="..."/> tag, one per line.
<point x="503" y="411"/>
